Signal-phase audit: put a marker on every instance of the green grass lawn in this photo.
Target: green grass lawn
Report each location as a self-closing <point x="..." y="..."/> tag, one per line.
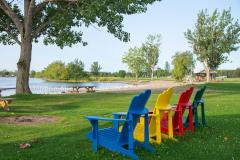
<point x="66" y="139"/>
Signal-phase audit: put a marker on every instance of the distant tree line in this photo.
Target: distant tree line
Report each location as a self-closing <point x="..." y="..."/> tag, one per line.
<point x="6" y="73"/>
<point x="75" y="70"/>
<point x="229" y="73"/>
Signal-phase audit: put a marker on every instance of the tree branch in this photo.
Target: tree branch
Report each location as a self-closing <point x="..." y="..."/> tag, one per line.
<point x="58" y="1"/>
<point x="49" y="20"/>
<point x="41" y="5"/>
<point x="42" y="26"/>
<point x="10" y="32"/>
<point x="29" y="17"/>
<point x="8" y="10"/>
<point x="13" y="37"/>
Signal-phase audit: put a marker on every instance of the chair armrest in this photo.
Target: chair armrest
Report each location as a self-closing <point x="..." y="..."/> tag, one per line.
<point x="177" y="110"/>
<point x="153" y="115"/>
<point x="188" y="105"/>
<point x="91" y="118"/>
<point x="166" y="109"/>
<point x="119" y="113"/>
<point x="173" y="106"/>
<point x="200" y="101"/>
<point x="150" y="109"/>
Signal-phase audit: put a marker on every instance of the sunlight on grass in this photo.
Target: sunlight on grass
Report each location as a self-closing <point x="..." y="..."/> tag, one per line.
<point x="66" y="139"/>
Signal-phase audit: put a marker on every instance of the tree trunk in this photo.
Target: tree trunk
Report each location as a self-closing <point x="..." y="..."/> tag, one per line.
<point x="207" y="70"/>
<point x="136" y="76"/>
<point x="152" y="73"/>
<point x="23" y="65"/>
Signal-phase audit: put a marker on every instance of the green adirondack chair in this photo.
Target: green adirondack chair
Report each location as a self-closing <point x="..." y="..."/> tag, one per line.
<point x="198" y="100"/>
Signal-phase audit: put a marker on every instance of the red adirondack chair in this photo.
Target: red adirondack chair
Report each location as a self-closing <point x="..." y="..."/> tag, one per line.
<point x="183" y="104"/>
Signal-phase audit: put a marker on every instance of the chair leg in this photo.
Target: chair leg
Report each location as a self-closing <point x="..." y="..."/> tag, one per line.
<point x="180" y="123"/>
<point x="130" y="136"/>
<point x="158" y="129"/>
<point x="95" y="135"/>
<point x="146" y="143"/>
<point x="170" y="126"/>
<point x="195" y="114"/>
<point x="190" y="119"/>
<point x="203" y="114"/>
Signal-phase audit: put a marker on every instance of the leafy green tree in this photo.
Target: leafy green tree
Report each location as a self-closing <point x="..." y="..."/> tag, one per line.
<point x="161" y="72"/>
<point x="75" y="70"/>
<point x="122" y="73"/>
<point x="95" y="68"/>
<point x="55" y="71"/>
<point x="167" y="68"/>
<point x="135" y="60"/>
<point x="183" y="64"/>
<point x="32" y="73"/>
<point x="213" y="38"/>
<point x="55" y="22"/>
<point x="151" y="52"/>
<point x="4" y="73"/>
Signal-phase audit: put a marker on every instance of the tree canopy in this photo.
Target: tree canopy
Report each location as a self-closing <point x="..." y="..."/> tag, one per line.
<point x="122" y="73"/>
<point x="183" y="64"/>
<point x="58" y="70"/>
<point x="135" y="60"/>
<point x="151" y="52"/>
<point x="75" y="70"/>
<point x="95" y="68"/>
<point x="56" y="20"/>
<point x="214" y="37"/>
<point x="144" y="59"/>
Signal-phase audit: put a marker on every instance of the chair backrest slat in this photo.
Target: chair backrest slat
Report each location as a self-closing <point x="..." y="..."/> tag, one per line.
<point x="182" y="102"/>
<point x="199" y="94"/>
<point x="136" y="109"/>
<point x="162" y="102"/>
<point x="164" y="99"/>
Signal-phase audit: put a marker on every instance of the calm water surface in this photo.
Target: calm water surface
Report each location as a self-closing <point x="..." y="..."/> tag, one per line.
<point x="40" y="86"/>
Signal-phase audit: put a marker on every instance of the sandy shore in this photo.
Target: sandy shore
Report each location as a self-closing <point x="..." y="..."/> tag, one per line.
<point x="155" y="86"/>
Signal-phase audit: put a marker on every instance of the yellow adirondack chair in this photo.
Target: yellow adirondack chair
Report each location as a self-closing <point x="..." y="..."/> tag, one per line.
<point x="4" y="103"/>
<point x="162" y="106"/>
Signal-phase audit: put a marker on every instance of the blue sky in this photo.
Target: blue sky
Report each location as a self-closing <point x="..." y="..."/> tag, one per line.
<point x="170" y="18"/>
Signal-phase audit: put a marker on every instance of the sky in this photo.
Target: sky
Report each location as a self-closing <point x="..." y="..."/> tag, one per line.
<point x="170" y="18"/>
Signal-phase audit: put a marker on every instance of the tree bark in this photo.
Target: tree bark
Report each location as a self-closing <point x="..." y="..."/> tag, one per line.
<point x="152" y="72"/>
<point x="207" y="70"/>
<point x="23" y="65"/>
<point x="136" y="76"/>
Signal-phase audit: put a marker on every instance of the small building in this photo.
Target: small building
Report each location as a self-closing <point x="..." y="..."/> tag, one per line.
<point x="202" y="76"/>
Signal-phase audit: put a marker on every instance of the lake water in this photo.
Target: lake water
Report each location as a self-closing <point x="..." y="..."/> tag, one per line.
<point x="40" y="86"/>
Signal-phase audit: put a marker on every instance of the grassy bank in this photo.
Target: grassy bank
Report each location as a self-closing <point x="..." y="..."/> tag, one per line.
<point x="110" y="79"/>
<point x="66" y="139"/>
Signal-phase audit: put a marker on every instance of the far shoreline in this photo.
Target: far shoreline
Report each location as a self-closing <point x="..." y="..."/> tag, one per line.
<point x="109" y="80"/>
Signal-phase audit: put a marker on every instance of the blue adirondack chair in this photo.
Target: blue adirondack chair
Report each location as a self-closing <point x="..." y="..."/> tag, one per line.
<point x="122" y="142"/>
